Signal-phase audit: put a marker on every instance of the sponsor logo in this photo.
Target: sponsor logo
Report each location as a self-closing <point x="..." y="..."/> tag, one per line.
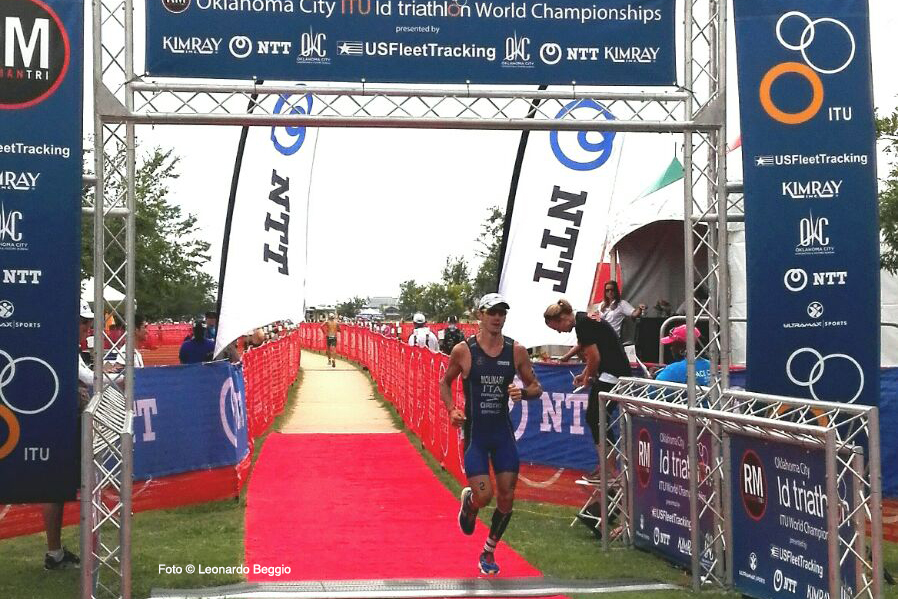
<point x="812" y="237"/>
<point x="821" y="159"/>
<point x="781" y="582"/>
<point x="660" y="538"/>
<point x="805" y="375"/>
<point x="811" y="190"/>
<point x="350" y="49"/>
<point x="7" y="309"/>
<point x="753" y="561"/>
<point x="176" y="6"/>
<point x="796" y="279"/>
<point x="19" y="148"/>
<point x="312" y="48"/>
<point x="231" y="410"/>
<point x="815" y="309"/>
<point x="240" y="46"/>
<point x="807" y="69"/>
<point x="289" y="140"/>
<point x="550" y="53"/>
<point x="644" y="458"/>
<point x="621" y="54"/>
<point x="10" y="231"/>
<point x="594" y="153"/>
<point x="21" y="276"/>
<point x="753" y="486"/>
<point x="583" y="54"/>
<point x="192" y="45"/>
<point x="34" y="55"/>
<point x="517" y="52"/>
<point x="18" y="181"/>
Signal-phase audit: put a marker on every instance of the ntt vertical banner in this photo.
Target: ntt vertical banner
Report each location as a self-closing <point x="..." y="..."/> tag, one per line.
<point x="608" y="42"/>
<point x="41" y="68"/>
<point x="812" y="238"/>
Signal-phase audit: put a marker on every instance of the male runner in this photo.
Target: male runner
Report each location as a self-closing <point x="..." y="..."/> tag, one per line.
<point x="331" y="327"/>
<point x="488" y="362"/>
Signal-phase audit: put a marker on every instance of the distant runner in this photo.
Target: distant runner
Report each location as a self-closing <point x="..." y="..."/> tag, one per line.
<point x="331" y="327"/>
<point x="488" y="363"/>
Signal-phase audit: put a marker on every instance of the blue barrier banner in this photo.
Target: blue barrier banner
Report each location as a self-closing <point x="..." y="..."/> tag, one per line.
<point x="812" y="239"/>
<point x="612" y="42"/>
<point x="551" y="430"/>
<point x="779" y="521"/>
<point x="661" y="498"/>
<point x="41" y="76"/>
<point x="188" y="418"/>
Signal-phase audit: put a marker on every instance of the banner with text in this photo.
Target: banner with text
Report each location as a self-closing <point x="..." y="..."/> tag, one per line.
<point x="779" y="521"/>
<point x="661" y="500"/>
<point x="41" y="75"/>
<point x="558" y="225"/>
<point x="266" y="261"/>
<point x="812" y="239"/>
<point x="614" y="42"/>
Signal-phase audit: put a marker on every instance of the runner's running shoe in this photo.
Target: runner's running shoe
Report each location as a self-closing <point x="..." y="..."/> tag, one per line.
<point x="466" y="521"/>
<point x="488" y="564"/>
<point x="68" y="560"/>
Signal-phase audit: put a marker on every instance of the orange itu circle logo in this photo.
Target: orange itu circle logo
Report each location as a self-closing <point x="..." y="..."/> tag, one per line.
<point x="12" y="425"/>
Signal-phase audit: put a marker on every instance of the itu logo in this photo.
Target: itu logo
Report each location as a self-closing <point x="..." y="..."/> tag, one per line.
<point x="807" y="69"/>
<point x="35" y="53"/>
<point x="843" y="368"/>
<point x="24" y="377"/>
<point x="295" y="136"/>
<point x="594" y="153"/>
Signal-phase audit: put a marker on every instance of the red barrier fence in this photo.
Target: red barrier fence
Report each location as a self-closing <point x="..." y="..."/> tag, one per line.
<point x="408" y="377"/>
<point x="168" y="334"/>
<point x="268" y="372"/>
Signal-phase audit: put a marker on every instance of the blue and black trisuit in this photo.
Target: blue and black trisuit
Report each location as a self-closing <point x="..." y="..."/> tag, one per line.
<point x="488" y="431"/>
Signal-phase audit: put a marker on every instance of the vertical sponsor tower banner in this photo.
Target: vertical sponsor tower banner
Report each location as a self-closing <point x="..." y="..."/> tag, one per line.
<point x="779" y="521"/>
<point x="661" y="498"/>
<point x="266" y="262"/>
<point x="812" y="238"/>
<point x="558" y="225"/>
<point x="41" y="68"/>
<point x="612" y="42"/>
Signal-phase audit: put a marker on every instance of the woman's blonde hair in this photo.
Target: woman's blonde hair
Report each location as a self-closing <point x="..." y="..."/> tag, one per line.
<point x="558" y="309"/>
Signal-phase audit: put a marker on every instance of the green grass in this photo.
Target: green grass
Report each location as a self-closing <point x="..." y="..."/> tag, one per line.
<point x="212" y="534"/>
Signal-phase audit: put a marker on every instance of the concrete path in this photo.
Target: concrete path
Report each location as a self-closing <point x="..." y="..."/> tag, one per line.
<point x="335" y="400"/>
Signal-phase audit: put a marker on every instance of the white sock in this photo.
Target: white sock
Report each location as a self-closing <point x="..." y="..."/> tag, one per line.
<point x="56" y="555"/>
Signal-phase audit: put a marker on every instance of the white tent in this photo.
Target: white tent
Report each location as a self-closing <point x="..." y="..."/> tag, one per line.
<point x="110" y="294"/>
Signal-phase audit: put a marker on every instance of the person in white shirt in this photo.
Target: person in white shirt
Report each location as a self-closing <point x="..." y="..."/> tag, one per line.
<point x="422" y="335"/>
<point x="614" y="310"/>
<point x="140" y="336"/>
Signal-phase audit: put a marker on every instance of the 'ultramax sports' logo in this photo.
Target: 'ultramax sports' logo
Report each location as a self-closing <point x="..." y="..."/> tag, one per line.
<point x="644" y="458"/>
<point x="34" y="53"/>
<point x="808" y="69"/>
<point x="753" y="485"/>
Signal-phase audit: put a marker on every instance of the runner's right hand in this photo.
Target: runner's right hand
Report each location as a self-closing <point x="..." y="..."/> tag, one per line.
<point x="456" y="417"/>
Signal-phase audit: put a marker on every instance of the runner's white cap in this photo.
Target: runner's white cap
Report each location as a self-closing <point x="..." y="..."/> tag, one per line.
<point x="493" y="300"/>
<point x="418" y="318"/>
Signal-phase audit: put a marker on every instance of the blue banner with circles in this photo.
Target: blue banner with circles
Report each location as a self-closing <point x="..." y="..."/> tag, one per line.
<point x="613" y="42"/>
<point x="812" y="238"/>
<point x="40" y="244"/>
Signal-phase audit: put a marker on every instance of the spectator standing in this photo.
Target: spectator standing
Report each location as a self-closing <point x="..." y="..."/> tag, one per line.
<point x="197" y="348"/>
<point x="452" y="336"/>
<point x="614" y="310"/>
<point x="211" y="324"/>
<point x="422" y="336"/>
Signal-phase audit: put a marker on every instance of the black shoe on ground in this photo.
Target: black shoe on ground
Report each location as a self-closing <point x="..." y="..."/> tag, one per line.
<point x="466" y="521"/>
<point x="68" y="560"/>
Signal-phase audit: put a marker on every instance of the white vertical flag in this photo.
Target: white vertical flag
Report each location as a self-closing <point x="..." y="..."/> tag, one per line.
<point x="266" y="262"/>
<point x="558" y="224"/>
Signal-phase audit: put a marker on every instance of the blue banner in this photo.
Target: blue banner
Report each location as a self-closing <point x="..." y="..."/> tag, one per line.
<point x="41" y="78"/>
<point x="613" y="42"/>
<point x="779" y="521"/>
<point x="552" y="430"/>
<point x="812" y="239"/>
<point x="188" y="418"/>
<point x="661" y="498"/>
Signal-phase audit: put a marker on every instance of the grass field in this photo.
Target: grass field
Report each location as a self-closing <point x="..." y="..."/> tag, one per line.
<point x="213" y="534"/>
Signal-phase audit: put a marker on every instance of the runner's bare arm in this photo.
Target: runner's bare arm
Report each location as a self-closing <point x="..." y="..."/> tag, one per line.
<point x="593" y="359"/>
<point x="532" y="389"/>
<point x="459" y="363"/>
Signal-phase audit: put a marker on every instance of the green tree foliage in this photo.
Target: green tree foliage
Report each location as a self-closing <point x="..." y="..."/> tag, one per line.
<point x="490" y="242"/>
<point x="887" y="130"/>
<point x="351" y="307"/>
<point x="169" y="256"/>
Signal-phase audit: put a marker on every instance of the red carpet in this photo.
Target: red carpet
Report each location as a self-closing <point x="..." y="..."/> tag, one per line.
<point x="337" y="507"/>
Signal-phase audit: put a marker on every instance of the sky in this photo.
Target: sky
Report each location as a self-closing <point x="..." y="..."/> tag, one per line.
<point x="391" y="205"/>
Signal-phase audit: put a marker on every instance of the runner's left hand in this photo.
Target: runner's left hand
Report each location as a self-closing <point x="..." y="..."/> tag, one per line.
<point x="515" y="393"/>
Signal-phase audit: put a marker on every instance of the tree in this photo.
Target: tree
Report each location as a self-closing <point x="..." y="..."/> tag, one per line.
<point x="411" y="298"/>
<point x="490" y="241"/>
<point x="351" y="308"/>
<point x="168" y="254"/>
<point x="887" y="129"/>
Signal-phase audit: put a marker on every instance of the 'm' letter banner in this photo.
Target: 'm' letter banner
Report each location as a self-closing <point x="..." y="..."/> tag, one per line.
<point x="606" y="42"/>
<point x="41" y="66"/>
<point x="267" y="248"/>
<point x="812" y="238"/>
<point x="558" y="224"/>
